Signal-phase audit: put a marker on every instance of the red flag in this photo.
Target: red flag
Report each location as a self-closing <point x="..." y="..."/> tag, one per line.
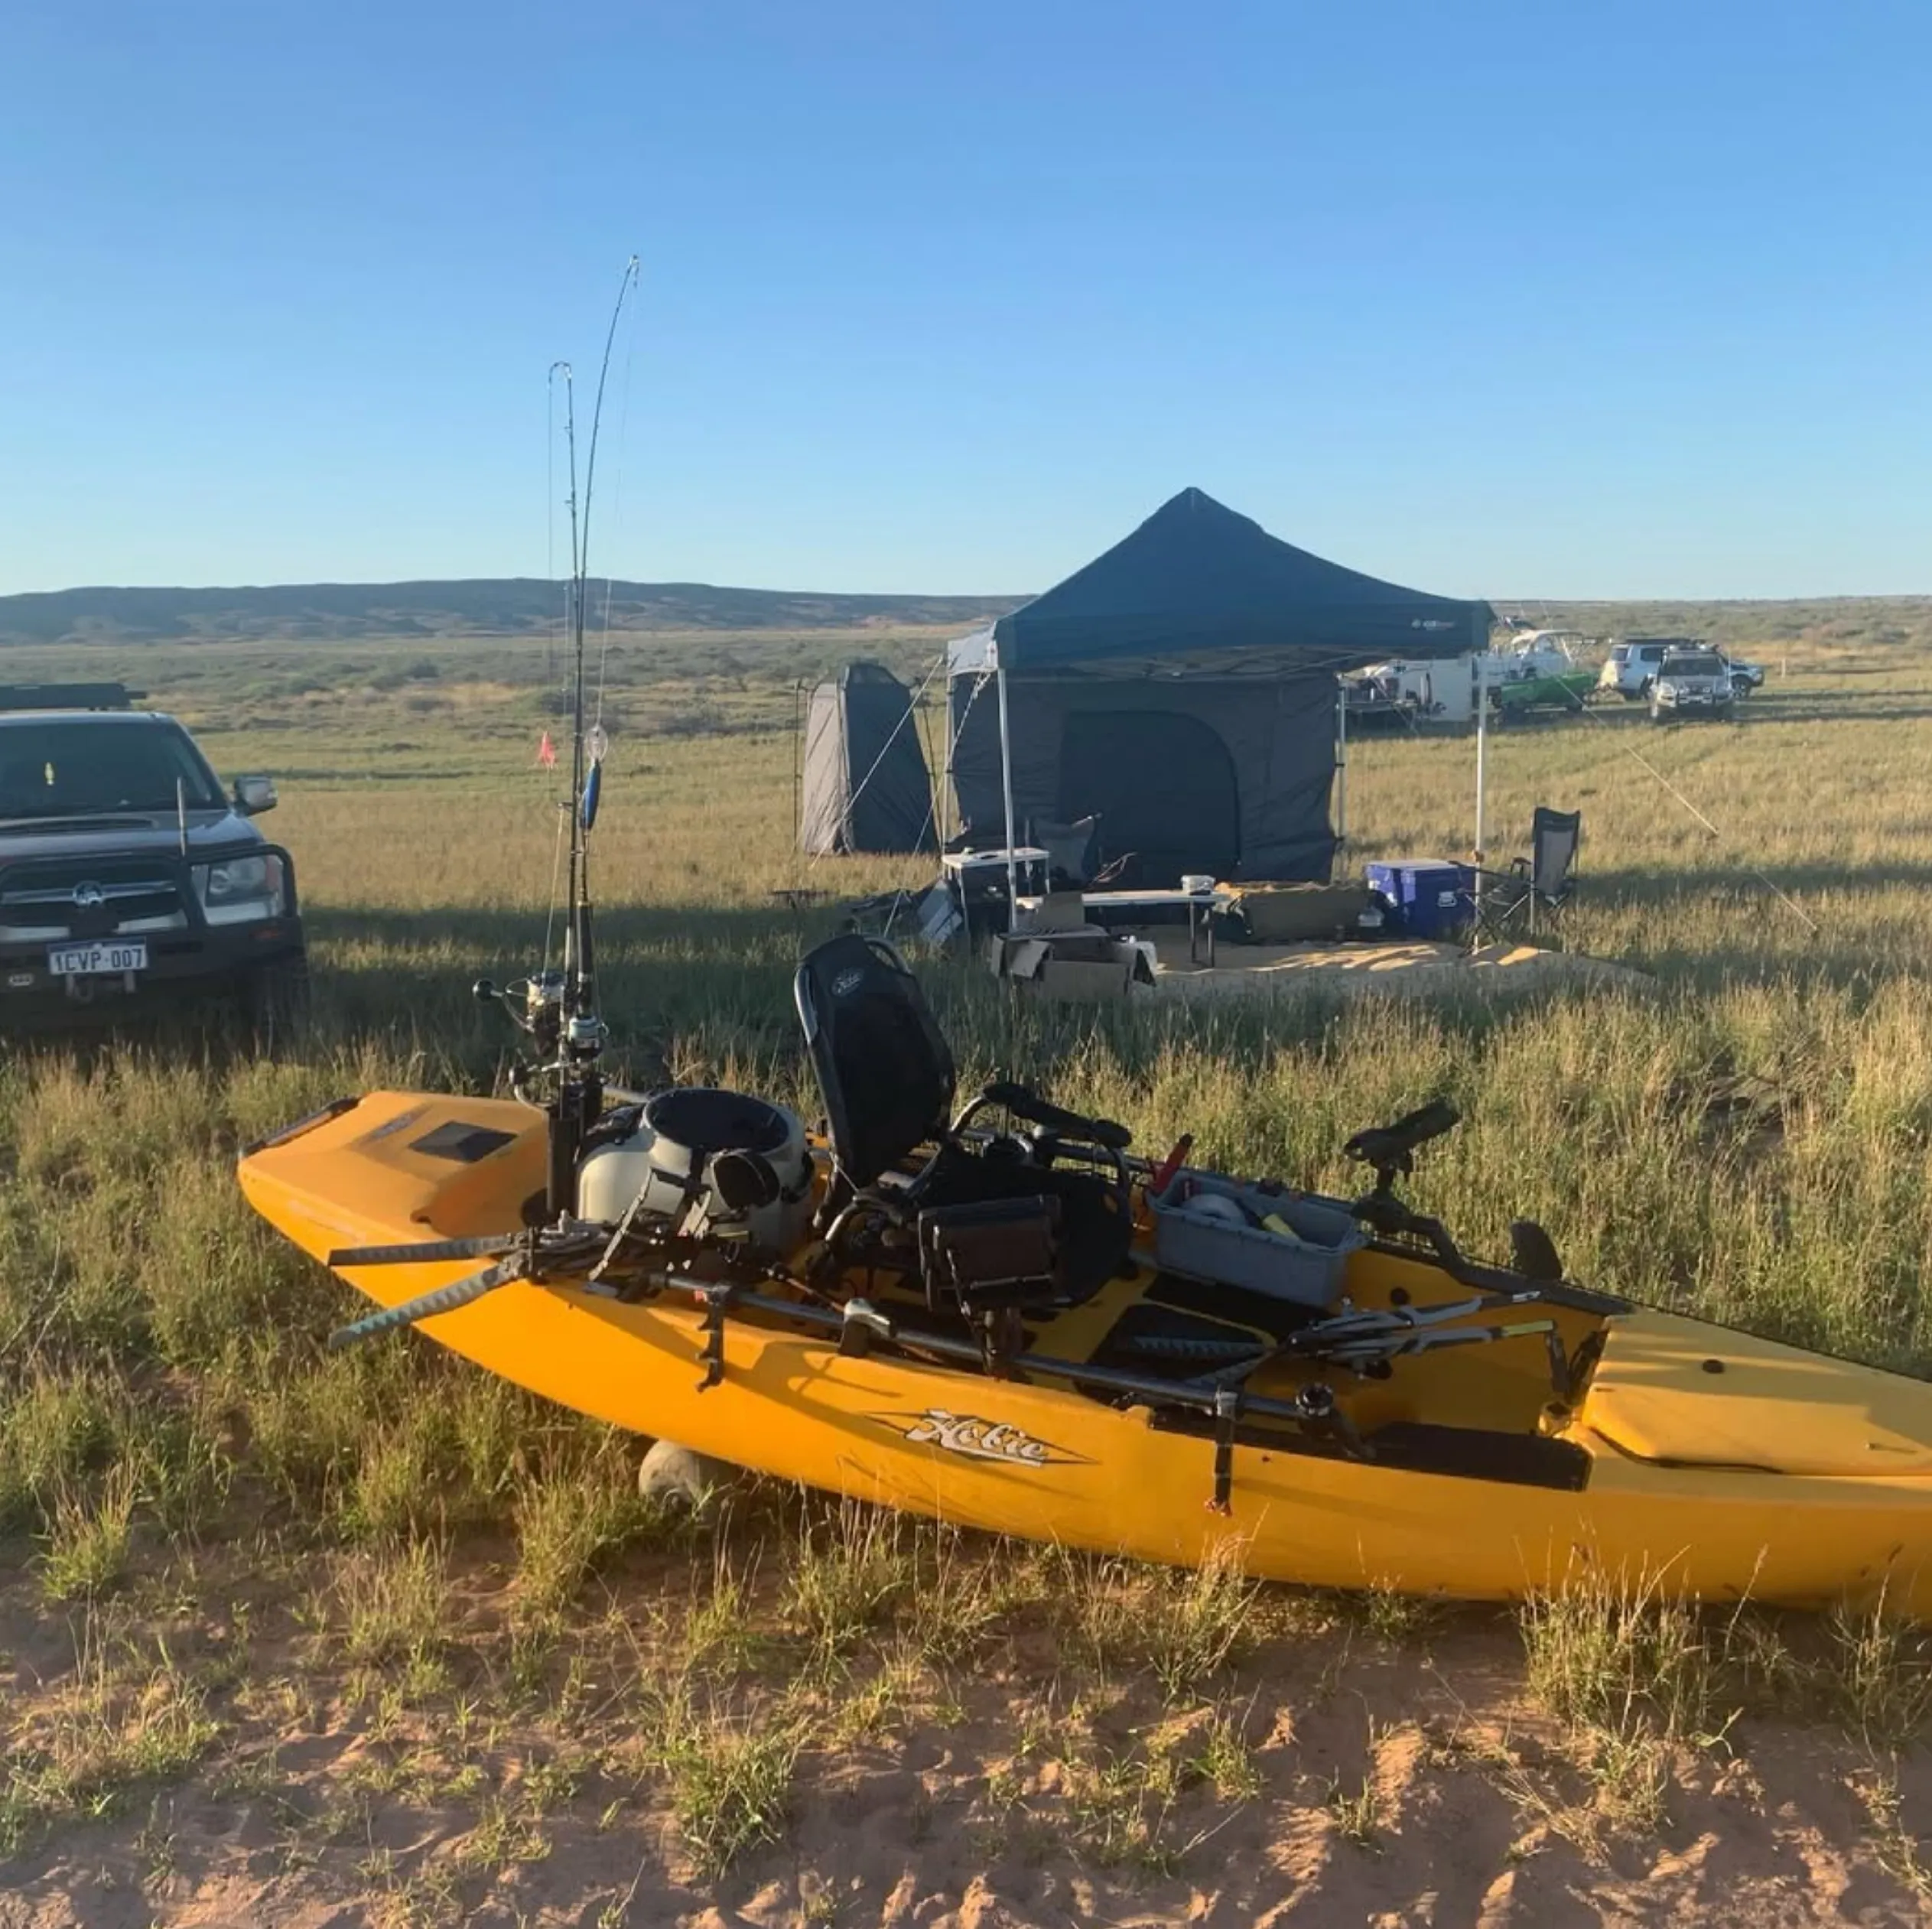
<point x="547" y="753"/>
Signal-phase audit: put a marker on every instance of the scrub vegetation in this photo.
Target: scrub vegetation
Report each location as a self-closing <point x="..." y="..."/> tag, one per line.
<point x="372" y="1627"/>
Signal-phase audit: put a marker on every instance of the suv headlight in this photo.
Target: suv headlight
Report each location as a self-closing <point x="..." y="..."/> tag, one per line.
<point x="240" y="889"/>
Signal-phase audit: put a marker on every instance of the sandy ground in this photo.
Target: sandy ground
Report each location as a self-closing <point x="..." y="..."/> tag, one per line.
<point x="1469" y="1812"/>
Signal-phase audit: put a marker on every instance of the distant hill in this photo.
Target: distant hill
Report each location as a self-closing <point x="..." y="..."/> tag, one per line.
<point x="478" y="606"/>
<point x="518" y="606"/>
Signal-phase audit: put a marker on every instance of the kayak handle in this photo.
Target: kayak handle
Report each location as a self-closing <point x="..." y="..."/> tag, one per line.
<point x="426" y="1305"/>
<point x="1024" y="1103"/>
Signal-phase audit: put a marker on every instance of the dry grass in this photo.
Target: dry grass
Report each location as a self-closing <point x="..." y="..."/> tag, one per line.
<point x="389" y="1544"/>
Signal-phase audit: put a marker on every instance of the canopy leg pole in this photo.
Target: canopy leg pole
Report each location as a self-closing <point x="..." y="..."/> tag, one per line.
<point x="1006" y="786"/>
<point x="1340" y="774"/>
<point x="945" y="775"/>
<point x="1482" y="745"/>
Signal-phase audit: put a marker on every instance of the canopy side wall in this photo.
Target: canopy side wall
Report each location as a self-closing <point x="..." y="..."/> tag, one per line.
<point x="1279" y="737"/>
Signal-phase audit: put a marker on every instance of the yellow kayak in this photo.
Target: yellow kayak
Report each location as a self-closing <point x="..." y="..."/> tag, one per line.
<point x="1403" y="1418"/>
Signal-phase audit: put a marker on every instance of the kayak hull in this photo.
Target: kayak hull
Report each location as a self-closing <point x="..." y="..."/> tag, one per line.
<point x="1814" y="1492"/>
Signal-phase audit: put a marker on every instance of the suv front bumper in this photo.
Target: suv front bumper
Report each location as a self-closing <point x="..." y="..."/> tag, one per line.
<point x="189" y="960"/>
<point x="183" y="967"/>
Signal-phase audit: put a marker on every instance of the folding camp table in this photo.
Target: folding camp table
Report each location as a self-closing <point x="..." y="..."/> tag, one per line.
<point x="979" y="880"/>
<point x="1200" y="905"/>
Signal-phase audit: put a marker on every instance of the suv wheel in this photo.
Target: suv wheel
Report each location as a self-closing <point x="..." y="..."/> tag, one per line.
<point x="275" y="1003"/>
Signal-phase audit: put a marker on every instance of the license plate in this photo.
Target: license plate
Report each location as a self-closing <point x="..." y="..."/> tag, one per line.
<point x="96" y="961"/>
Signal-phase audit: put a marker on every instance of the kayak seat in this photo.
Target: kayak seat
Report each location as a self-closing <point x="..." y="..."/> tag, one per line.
<point x="1042" y="1222"/>
<point x="883" y="1065"/>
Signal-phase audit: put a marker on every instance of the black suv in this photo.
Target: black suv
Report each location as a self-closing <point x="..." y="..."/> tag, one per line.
<point x="128" y="879"/>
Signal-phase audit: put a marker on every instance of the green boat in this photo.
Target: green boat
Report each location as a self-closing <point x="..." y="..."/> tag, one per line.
<point x="1565" y="692"/>
<point x="1541" y="672"/>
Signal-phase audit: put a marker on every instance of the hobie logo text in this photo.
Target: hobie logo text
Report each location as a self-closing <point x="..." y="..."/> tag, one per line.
<point x="976" y="1439"/>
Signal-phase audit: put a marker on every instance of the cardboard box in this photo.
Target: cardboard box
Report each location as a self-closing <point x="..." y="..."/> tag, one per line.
<point x="1053" y="953"/>
<point x="1057" y="911"/>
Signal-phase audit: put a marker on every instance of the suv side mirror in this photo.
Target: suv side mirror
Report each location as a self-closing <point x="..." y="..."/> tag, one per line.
<point x="255" y="795"/>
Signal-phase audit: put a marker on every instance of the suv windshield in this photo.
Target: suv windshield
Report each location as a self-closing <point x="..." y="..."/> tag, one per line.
<point x="1693" y="666"/>
<point x="81" y="766"/>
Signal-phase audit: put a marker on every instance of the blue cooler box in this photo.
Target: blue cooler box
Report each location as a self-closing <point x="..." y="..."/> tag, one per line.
<point x="1431" y="896"/>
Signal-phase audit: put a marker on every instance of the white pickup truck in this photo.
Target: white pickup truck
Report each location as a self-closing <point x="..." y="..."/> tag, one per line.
<point x="1630" y="669"/>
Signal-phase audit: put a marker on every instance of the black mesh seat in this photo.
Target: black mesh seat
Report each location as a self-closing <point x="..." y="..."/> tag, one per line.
<point x="889" y="1084"/>
<point x="883" y="1064"/>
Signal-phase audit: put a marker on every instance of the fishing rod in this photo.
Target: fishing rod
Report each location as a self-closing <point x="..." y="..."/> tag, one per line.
<point x="587" y="759"/>
<point x="579" y="1099"/>
<point x="558" y="1010"/>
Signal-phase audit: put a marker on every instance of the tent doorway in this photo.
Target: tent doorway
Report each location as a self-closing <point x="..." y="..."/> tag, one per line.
<point x="1164" y="788"/>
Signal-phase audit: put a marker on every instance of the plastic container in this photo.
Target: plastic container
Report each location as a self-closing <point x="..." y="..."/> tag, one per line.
<point x="1430" y="897"/>
<point x="1304" y="1265"/>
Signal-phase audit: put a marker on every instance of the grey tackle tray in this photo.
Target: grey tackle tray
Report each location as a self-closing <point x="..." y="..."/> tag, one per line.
<point x="1305" y="1266"/>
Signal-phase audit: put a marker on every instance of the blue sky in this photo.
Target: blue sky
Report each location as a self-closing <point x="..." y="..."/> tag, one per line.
<point x="1506" y="299"/>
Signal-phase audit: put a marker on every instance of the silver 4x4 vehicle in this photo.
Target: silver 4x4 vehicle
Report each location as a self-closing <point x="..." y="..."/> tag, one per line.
<point x="1631" y="667"/>
<point x="1691" y="683"/>
<point x="129" y="878"/>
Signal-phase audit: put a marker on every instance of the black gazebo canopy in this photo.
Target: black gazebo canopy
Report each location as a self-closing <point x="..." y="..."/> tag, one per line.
<point x="1197" y="578"/>
<point x="1181" y="687"/>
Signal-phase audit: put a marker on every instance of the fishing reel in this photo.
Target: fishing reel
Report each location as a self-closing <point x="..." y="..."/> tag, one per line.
<point x="534" y="1005"/>
<point x="550" y="1009"/>
<point x="538" y="1006"/>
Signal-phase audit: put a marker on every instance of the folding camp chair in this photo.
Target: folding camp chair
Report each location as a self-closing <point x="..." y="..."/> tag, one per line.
<point x="1072" y="849"/>
<point x="1540" y="884"/>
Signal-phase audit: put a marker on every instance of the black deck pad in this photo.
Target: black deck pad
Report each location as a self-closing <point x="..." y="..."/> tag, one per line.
<point x="1415" y="1446"/>
<point x="463" y="1143"/>
<point x="1477" y="1453"/>
<point x="1239" y="1305"/>
<point x="1135" y="1343"/>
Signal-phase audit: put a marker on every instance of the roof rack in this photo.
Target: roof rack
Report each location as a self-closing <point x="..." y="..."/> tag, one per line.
<point x="68" y="696"/>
